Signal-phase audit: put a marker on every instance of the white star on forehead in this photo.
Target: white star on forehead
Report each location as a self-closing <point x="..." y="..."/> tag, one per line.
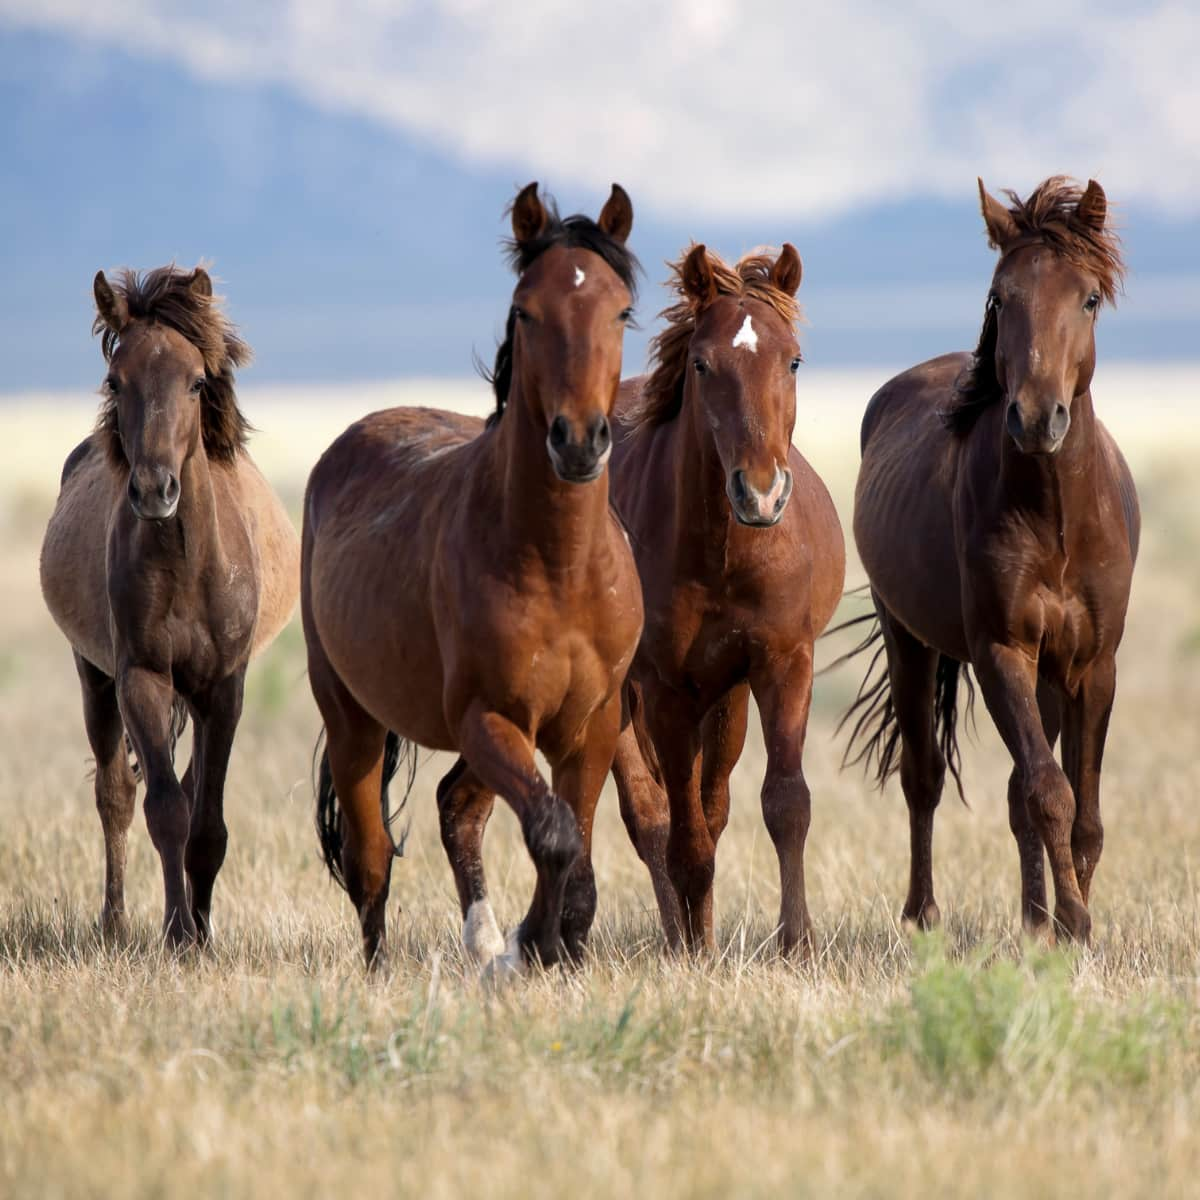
<point x="746" y="336"/>
<point x="579" y="277"/>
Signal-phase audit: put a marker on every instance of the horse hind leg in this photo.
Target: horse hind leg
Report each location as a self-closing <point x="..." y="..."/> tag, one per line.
<point x="912" y="673"/>
<point x="115" y="787"/>
<point x="464" y="807"/>
<point x="647" y="816"/>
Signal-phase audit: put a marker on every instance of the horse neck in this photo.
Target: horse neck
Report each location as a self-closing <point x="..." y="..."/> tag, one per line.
<point x="540" y="514"/>
<point x="705" y="523"/>
<point x="1060" y="490"/>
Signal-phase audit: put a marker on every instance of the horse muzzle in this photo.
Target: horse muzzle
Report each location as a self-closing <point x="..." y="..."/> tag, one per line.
<point x="153" y="493"/>
<point x="1039" y="433"/>
<point x="752" y="507"/>
<point x="579" y="460"/>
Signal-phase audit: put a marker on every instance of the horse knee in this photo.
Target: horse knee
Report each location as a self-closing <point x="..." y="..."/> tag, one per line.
<point x="579" y="907"/>
<point x="922" y="777"/>
<point x="691" y="866"/>
<point x="552" y="836"/>
<point x="168" y="817"/>
<point x="787" y="807"/>
<point x="1049" y="799"/>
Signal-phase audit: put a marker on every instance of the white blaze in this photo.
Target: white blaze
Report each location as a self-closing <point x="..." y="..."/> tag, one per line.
<point x="579" y="277"/>
<point x="746" y="336"/>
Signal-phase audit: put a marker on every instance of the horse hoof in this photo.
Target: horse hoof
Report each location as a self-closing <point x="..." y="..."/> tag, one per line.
<point x="1073" y="923"/>
<point x="481" y="935"/>
<point x="506" y="968"/>
<point x="924" y="917"/>
<point x="114" y="928"/>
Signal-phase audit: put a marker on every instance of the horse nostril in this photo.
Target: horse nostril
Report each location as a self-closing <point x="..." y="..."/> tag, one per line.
<point x="738" y="479"/>
<point x="1012" y="421"/>
<point x="170" y="490"/>
<point x="1060" y="420"/>
<point x="558" y="433"/>
<point x="601" y="435"/>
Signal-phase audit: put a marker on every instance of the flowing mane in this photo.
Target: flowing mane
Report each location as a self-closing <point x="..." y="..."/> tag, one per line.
<point x="574" y="232"/>
<point x="165" y="295"/>
<point x="1047" y="218"/>
<point x="750" y="279"/>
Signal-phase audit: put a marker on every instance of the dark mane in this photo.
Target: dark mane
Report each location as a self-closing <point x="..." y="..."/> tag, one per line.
<point x="575" y="233"/>
<point x="165" y="295"/>
<point x="1047" y="218"/>
<point x="662" y="394"/>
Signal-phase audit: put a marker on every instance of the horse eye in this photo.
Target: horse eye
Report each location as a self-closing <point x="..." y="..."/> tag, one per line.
<point x="1092" y="302"/>
<point x="794" y="365"/>
<point x="198" y="385"/>
<point x="700" y="366"/>
<point x="520" y="314"/>
<point x="112" y="385"/>
<point x="626" y="315"/>
<point x="994" y="302"/>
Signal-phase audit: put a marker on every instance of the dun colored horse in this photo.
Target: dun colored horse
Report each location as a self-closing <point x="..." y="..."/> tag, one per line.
<point x="742" y="561"/>
<point x="999" y="525"/>
<point x="466" y="587"/>
<point x="167" y="563"/>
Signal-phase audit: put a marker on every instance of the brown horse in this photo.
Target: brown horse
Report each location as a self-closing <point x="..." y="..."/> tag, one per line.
<point x="742" y="561"/>
<point x="465" y="587"/>
<point x="998" y="525"/>
<point x="167" y="563"/>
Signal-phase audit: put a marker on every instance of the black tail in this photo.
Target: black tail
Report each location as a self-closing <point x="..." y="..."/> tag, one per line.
<point x="178" y="723"/>
<point x="330" y="832"/>
<point x="875" y="738"/>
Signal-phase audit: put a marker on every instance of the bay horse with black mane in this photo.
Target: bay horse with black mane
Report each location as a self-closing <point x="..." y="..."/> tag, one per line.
<point x="168" y="563"/>
<point x="742" y="561"/>
<point x="998" y="524"/>
<point x="465" y="587"/>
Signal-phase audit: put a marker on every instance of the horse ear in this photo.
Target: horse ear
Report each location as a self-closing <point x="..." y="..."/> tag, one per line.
<point x="1001" y="228"/>
<point x="112" y="307"/>
<point x="697" y="276"/>
<point x="787" y="271"/>
<point x="201" y="283"/>
<point x="1093" y="206"/>
<point x="616" y="217"/>
<point x="528" y="214"/>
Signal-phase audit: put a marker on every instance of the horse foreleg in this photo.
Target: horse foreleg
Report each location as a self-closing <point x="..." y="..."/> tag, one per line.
<point x="1008" y="677"/>
<point x="116" y="789"/>
<point x="1034" y="913"/>
<point x="218" y="716"/>
<point x="783" y="691"/>
<point x="146" y="697"/>
<point x="501" y="757"/>
<point x="1085" y="729"/>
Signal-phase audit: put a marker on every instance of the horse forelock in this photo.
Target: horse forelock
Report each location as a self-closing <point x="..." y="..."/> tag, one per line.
<point x="165" y="296"/>
<point x="749" y="279"/>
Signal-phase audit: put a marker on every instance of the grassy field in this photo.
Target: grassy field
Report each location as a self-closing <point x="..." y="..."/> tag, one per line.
<point x="967" y="1063"/>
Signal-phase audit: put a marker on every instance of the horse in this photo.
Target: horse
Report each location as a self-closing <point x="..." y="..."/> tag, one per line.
<point x="465" y="587"/>
<point x="998" y="524"/>
<point x="742" y="561"/>
<point x="168" y="563"/>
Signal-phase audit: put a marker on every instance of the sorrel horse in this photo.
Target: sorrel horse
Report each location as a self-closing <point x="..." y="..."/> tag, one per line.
<point x="465" y="587"/>
<point x="742" y="560"/>
<point x="998" y="525"/>
<point x="168" y="563"/>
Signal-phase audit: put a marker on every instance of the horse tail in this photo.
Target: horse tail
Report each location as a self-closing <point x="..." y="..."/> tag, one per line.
<point x="175" y="727"/>
<point x="875" y="736"/>
<point x="329" y="820"/>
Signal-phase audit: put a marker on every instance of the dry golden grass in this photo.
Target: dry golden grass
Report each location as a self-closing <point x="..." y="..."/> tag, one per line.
<point x="969" y="1064"/>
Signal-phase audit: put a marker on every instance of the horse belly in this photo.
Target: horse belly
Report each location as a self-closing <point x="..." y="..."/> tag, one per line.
<point x="73" y="561"/>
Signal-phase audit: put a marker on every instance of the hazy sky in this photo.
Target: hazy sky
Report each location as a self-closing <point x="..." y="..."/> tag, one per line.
<point x="345" y="164"/>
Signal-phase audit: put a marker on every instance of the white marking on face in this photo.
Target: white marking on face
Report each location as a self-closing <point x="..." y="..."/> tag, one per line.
<point x="481" y="935"/>
<point x="579" y="277"/>
<point x="746" y="336"/>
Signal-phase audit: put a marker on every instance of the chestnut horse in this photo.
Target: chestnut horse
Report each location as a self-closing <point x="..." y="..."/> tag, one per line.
<point x="998" y="525"/>
<point x="168" y="563"/>
<point x="742" y="561"/>
<point x="466" y="587"/>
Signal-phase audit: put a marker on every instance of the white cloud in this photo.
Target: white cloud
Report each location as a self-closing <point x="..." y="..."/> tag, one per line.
<point x="723" y="107"/>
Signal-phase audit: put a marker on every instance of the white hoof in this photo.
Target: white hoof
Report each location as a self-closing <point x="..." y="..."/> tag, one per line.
<point x="481" y="935"/>
<point x="506" y="967"/>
